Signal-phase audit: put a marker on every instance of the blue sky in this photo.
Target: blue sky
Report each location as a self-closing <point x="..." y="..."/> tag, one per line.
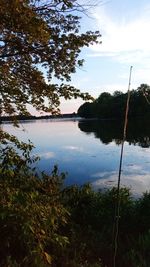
<point x="125" y="29"/>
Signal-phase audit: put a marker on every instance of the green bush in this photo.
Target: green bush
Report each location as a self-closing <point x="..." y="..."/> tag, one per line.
<point x="44" y="224"/>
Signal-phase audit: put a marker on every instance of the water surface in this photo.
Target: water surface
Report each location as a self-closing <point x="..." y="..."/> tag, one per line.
<point x="89" y="150"/>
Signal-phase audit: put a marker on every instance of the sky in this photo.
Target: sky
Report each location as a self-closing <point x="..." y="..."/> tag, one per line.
<point x="125" y="29"/>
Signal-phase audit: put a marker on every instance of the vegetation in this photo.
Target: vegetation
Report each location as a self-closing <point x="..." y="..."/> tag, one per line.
<point x="41" y="222"/>
<point x="108" y="106"/>
<point x="44" y="224"/>
<point x="39" y="40"/>
<point x="30" y="117"/>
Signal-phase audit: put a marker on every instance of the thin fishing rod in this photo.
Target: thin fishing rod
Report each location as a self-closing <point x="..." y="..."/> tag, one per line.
<point x="117" y="209"/>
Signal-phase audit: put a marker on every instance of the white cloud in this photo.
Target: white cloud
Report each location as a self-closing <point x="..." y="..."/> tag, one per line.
<point x="127" y="41"/>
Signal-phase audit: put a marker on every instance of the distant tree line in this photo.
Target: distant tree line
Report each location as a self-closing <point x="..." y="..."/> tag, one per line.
<point x="30" y="117"/>
<point x="109" y="106"/>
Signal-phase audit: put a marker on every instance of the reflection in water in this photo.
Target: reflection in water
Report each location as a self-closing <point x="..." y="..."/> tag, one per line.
<point x="89" y="151"/>
<point x="137" y="183"/>
<point x="133" y="177"/>
<point x="138" y="132"/>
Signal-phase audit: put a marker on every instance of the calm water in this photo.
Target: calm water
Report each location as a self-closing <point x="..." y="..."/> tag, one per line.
<point x="89" y="150"/>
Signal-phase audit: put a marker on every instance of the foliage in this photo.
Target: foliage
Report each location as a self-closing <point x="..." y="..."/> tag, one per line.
<point x="92" y="223"/>
<point x="44" y="224"/>
<point x="31" y="216"/>
<point x="108" y="106"/>
<point x="39" y="40"/>
<point x="92" y="215"/>
<point x="41" y="222"/>
<point x="31" y="212"/>
<point x="86" y="110"/>
<point x="15" y="155"/>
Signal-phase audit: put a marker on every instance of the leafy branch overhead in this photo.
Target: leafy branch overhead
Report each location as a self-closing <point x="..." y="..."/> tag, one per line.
<point x="39" y="40"/>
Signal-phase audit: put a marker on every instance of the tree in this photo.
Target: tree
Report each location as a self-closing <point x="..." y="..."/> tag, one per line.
<point x="108" y="106"/>
<point x="104" y="97"/>
<point x="39" y="40"/>
<point x="117" y="93"/>
<point x="86" y="110"/>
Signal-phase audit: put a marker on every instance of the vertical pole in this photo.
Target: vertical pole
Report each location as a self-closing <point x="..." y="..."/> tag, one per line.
<point x="117" y="209"/>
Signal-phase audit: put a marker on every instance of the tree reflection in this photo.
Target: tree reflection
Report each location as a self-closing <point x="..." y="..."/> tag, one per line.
<point x="138" y="131"/>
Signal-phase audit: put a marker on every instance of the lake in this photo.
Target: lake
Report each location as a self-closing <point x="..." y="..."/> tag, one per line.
<point x="89" y="150"/>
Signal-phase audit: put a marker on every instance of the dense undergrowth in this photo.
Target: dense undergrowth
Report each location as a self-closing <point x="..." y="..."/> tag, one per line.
<point x="44" y="224"/>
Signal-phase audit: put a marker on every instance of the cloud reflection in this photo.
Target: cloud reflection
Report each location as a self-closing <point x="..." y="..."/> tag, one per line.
<point x="47" y="155"/>
<point x="74" y="148"/>
<point x="135" y="178"/>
